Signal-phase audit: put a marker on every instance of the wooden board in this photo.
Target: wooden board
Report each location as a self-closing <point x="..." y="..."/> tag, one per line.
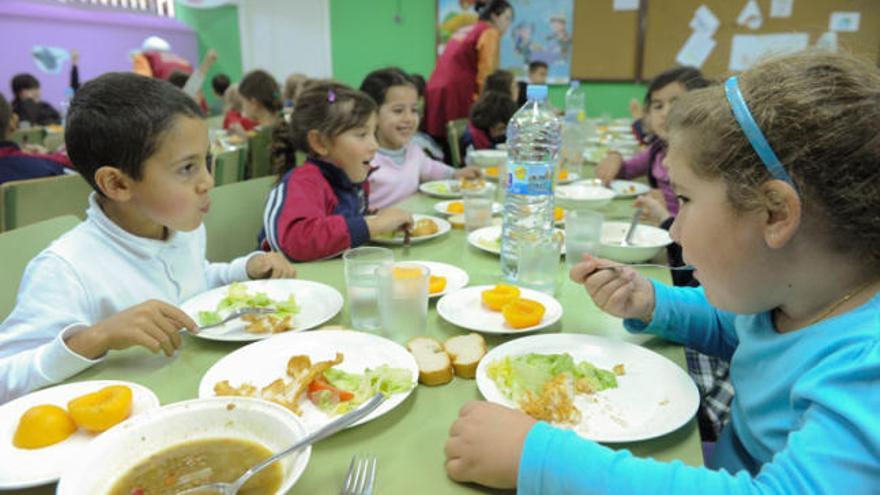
<point x="605" y="43"/>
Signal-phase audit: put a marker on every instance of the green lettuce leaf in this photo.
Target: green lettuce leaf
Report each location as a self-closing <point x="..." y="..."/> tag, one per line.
<point x="515" y="375"/>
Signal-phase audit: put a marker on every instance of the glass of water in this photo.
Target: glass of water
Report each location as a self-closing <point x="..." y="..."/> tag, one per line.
<point x="477" y="207"/>
<point x="583" y="229"/>
<point x="403" y="300"/>
<point x="360" y="283"/>
<point x="538" y="264"/>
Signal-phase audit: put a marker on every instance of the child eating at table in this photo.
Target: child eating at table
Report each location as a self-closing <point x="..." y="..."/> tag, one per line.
<point x="261" y="98"/>
<point x="487" y="127"/>
<point x="662" y="92"/>
<point x="18" y="164"/>
<point x="114" y="281"/>
<point x="780" y="164"/>
<point x="320" y="208"/>
<point x="401" y="163"/>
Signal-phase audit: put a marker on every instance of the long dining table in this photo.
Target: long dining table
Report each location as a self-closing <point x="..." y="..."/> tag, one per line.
<point x="409" y="439"/>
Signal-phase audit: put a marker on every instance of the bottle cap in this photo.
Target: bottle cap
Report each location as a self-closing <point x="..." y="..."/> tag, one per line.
<point x="575" y="84"/>
<point x="536" y="91"/>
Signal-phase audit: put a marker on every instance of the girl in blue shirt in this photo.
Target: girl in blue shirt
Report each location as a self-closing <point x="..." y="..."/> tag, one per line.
<point x="782" y="166"/>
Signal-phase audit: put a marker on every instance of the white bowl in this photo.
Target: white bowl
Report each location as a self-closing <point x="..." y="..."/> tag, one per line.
<point x="110" y="456"/>
<point x="583" y="195"/>
<point x="488" y="158"/>
<point x="647" y="241"/>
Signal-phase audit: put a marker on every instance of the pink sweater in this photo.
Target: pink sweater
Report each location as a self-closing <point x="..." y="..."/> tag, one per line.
<point x="641" y="164"/>
<point x="392" y="182"/>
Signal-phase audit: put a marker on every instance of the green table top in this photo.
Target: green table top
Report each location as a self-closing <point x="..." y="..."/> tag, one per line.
<point x="409" y="439"/>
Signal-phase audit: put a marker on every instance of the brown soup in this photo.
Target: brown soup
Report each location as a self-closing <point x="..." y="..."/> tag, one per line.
<point x="198" y="462"/>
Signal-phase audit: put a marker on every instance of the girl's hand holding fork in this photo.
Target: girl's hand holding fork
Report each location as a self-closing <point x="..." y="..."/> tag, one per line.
<point x="621" y="292"/>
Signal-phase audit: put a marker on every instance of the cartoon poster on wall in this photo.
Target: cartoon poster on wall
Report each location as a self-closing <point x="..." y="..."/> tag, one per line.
<point x="541" y="30"/>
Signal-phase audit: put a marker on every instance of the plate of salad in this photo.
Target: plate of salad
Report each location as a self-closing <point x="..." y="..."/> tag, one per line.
<point x="604" y="389"/>
<point x="317" y="375"/>
<point x="296" y="304"/>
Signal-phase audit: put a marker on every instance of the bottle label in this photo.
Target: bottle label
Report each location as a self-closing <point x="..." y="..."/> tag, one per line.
<point x="530" y="180"/>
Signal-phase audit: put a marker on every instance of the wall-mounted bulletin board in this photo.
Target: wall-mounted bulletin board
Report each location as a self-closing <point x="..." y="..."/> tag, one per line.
<point x="605" y="41"/>
<point x="854" y="25"/>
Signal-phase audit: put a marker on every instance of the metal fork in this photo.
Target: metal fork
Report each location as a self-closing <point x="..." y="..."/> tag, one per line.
<point x="644" y="265"/>
<point x="238" y="313"/>
<point x="361" y="475"/>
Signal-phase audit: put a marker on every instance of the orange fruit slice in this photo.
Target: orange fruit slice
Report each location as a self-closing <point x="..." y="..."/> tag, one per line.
<point x="41" y="426"/>
<point x="523" y="313"/>
<point x="563" y="174"/>
<point x="436" y="284"/>
<point x="497" y="297"/>
<point x="491" y="172"/>
<point x="455" y="207"/>
<point x="558" y="214"/>
<point x="100" y="410"/>
<point x="405" y="272"/>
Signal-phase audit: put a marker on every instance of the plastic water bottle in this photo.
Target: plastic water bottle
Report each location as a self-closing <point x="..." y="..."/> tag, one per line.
<point x="574" y="128"/>
<point x="65" y="104"/>
<point x="533" y="141"/>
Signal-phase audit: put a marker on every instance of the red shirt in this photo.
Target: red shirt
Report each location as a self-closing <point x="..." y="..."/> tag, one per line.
<point x="232" y="117"/>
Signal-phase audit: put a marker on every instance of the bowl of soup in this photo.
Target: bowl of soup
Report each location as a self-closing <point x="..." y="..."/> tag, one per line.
<point x="646" y="242"/>
<point x="583" y="194"/>
<point x="488" y="158"/>
<point x="191" y="443"/>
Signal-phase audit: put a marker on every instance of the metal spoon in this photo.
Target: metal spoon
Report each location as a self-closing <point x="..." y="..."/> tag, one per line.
<point x="627" y="238"/>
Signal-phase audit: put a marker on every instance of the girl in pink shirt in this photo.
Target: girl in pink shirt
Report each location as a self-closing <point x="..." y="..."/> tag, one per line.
<point x="401" y="165"/>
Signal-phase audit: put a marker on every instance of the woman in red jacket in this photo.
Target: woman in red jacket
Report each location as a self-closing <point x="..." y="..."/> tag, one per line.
<point x="470" y="55"/>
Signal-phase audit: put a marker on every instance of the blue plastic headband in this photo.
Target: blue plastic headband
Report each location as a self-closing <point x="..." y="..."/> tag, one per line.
<point x="753" y="132"/>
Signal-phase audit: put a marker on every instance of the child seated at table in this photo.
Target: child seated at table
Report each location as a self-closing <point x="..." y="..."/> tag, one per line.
<point x="779" y="185"/>
<point x="28" y="105"/>
<point x="487" y="127"/>
<point x="320" y="208"/>
<point x="115" y="280"/>
<point x="16" y="164"/>
<point x="662" y="92"/>
<point x="261" y="98"/>
<point x="234" y="121"/>
<point x="401" y="164"/>
<point x="502" y="81"/>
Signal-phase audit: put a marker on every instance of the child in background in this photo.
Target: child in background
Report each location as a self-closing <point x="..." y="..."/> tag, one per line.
<point x="26" y="102"/>
<point x="538" y="70"/>
<point x="487" y="127"/>
<point x="426" y="142"/>
<point x="320" y="208"/>
<point x="401" y="164"/>
<point x="219" y="84"/>
<point x="662" y="92"/>
<point x="114" y="281"/>
<point x="778" y="179"/>
<point x="261" y="98"/>
<point x="16" y="164"/>
<point x="233" y="120"/>
<point x="502" y="81"/>
<point x="293" y="86"/>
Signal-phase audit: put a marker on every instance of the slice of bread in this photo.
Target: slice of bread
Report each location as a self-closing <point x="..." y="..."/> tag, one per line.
<point x="466" y="352"/>
<point x="435" y="368"/>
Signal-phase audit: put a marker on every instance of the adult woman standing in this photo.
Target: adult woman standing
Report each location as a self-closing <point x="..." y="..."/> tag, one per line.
<point x="470" y="55"/>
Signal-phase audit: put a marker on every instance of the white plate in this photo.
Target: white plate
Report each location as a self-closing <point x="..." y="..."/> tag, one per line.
<point x="22" y="468"/>
<point x="456" y="278"/>
<point x="628" y="188"/>
<point x="653" y="397"/>
<point x="397" y="240"/>
<point x="571" y="178"/>
<point x="489" y="238"/>
<point x="261" y="363"/>
<point x="446" y="189"/>
<point x="442" y="207"/>
<point x="317" y="303"/>
<point x="465" y="308"/>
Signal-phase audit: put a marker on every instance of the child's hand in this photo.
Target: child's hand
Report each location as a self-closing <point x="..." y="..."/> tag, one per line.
<point x="652" y="210"/>
<point x="608" y="167"/>
<point x="389" y="220"/>
<point x="467" y="173"/>
<point x="622" y="291"/>
<point x="485" y="444"/>
<point x="152" y="324"/>
<point x="270" y="265"/>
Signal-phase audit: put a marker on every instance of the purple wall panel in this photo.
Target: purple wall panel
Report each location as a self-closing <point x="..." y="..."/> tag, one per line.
<point x="103" y="37"/>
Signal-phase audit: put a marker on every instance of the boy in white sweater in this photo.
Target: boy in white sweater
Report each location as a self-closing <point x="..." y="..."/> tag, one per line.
<point x="114" y="281"/>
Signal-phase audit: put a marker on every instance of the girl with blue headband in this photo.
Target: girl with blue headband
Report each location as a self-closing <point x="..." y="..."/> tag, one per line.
<point x="778" y="174"/>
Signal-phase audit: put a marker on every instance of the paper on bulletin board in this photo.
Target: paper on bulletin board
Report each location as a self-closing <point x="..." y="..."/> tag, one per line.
<point x="705" y="21"/>
<point x="626" y="5"/>
<point x="750" y="16"/>
<point x="844" y="21"/>
<point x="746" y="49"/>
<point x="827" y="41"/>
<point x="781" y="8"/>
<point x="696" y="49"/>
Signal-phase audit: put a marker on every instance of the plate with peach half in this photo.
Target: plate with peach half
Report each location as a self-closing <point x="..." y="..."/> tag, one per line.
<point x="456" y="207"/>
<point x="46" y="430"/>
<point x="444" y="278"/>
<point x="499" y="309"/>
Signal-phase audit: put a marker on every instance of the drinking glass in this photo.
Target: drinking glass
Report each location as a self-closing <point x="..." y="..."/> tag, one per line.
<point x="477" y="207"/>
<point x="360" y="283"/>
<point x="403" y="300"/>
<point x="538" y="264"/>
<point x="583" y="229"/>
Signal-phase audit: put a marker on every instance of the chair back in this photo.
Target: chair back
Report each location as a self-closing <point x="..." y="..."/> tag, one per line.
<point x="227" y="167"/>
<point x="31" y="135"/>
<point x="236" y="218"/>
<point x="23" y="202"/>
<point x="259" y="157"/>
<point x="19" y="247"/>
<point x="454" y="131"/>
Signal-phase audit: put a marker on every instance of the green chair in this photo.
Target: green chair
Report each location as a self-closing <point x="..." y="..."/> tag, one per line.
<point x="454" y="131"/>
<point x="226" y="167"/>
<point x="259" y="159"/>
<point x="53" y="141"/>
<point x="31" y="135"/>
<point x="23" y="202"/>
<point x="215" y="121"/>
<point x="236" y="218"/>
<point x="18" y="247"/>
